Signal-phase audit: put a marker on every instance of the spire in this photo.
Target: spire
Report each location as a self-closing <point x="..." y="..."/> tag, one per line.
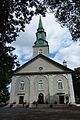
<point x="40" y="35"/>
<point x="40" y="45"/>
<point x="40" y="26"/>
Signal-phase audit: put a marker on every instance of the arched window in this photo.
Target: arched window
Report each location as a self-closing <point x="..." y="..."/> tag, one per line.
<point x="22" y="85"/>
<point x="60" y="84"/>
<point x="41" y="86"/>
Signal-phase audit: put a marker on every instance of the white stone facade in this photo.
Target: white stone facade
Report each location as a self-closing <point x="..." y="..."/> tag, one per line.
<point x="42" y="79"/>
<point x="50" y="88"/>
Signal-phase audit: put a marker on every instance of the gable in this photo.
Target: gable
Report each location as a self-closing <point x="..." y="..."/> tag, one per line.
<point x="41" y="64"/>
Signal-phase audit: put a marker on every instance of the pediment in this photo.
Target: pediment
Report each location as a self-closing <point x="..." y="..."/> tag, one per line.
<point x="41" y="64"/>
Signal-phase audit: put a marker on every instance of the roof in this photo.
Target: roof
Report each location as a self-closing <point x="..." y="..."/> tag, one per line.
<point x="40" y="35"/>
<point x="40" y="26"/>
<point x="45" y="58"/>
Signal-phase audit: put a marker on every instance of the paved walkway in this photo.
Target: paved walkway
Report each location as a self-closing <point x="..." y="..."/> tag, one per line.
<point x="55" y="113"/>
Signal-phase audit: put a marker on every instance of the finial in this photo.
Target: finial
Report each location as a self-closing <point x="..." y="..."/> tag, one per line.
<point x="65" y="63"/>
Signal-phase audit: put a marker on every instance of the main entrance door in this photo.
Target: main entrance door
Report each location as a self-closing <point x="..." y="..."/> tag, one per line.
<point x="61" y="99"/>
<point x="21" y="99"/>
<point x="41" y="98"/>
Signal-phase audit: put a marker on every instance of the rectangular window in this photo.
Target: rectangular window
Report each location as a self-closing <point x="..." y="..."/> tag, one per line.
<point x="41" y="86"/>
<point x="60" y="84"/>
<point x="22" y="85"/>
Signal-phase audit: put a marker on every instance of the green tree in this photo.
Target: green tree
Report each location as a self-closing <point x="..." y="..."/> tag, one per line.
<point x="76" y="82"/>
<point x="4" y="95"/>
<point x="67" y="13"/>
<point x="14" y="14"/>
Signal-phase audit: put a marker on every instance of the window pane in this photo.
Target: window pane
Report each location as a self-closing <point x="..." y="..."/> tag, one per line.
<point x="40" y="85"/>
<point x="60" y="84"/>
<point x="22" y="85"/>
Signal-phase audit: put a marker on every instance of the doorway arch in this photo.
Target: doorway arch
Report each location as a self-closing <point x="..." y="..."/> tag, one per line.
<point x="41" y="98"/>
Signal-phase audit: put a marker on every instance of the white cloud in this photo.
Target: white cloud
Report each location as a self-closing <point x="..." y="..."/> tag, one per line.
<point x="60" y="44"/>
<point x="71" y="54"/>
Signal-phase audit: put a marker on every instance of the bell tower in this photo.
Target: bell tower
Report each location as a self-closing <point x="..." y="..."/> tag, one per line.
<point x="40" y="45"/>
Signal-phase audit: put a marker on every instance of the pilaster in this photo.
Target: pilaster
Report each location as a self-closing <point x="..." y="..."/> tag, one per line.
<point x="71" y="89"/>
<point x="31" y="94"/>
<point x="12" y="93"/>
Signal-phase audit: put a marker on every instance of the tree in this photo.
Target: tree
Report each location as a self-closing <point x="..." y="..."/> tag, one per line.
<point x="67" y="13"/>
<point x="76" y="82"/>
<point x="4" y="95"/>
<point x="14" y="14"/>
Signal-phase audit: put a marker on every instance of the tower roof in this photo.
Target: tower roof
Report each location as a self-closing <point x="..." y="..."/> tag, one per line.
<point x="40" y="35"/>
<point x="40" y="23"/>
<point x="40" y="26"/>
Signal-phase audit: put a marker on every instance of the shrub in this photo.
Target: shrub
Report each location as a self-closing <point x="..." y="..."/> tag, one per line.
<point x="51" y="105"/>
<point x="55" y="102"/>
<point x="27" y="105"/>
<point x="34" y="103"/>
<point x="11" y="105"/>
<point x="14" y="102"/>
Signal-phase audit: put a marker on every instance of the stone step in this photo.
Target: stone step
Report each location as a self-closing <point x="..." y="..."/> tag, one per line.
<point x="61" y="106"/>
<point x="51" y="106"/>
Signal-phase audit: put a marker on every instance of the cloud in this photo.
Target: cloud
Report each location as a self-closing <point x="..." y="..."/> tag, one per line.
<point x="60" y="44"/>
<point x="71" y="54"/>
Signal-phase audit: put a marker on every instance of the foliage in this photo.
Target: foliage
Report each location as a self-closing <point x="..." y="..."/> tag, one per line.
<point x="76" y="82"/>
<point x="67" y="13"/>
<point x="14" y="14"/>
<point x="77" y="70"/>
<point x="4" y="95"/>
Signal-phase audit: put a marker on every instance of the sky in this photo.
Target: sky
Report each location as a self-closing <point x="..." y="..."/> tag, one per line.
<point x="61" y="46"/>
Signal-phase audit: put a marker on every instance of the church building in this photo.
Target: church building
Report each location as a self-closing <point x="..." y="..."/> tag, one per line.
<point x="42" y="79"/>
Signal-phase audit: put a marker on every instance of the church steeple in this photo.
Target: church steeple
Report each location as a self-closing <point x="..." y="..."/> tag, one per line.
<point x="40" y="35"/>
<point x="40" y="26"/>
<point x="40" y="43"/>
